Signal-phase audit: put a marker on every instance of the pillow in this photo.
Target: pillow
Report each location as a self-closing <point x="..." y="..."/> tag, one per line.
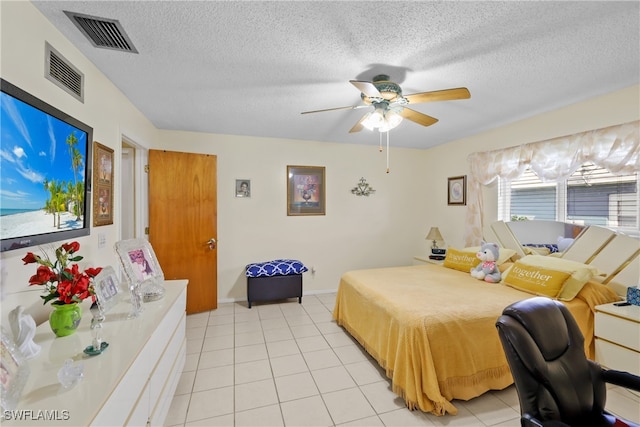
<point x="466" y="259"/>
<point x="564" y="243"/>
<point x="579" y="273"/>
<point x="535" y="279"/>
<point x="505" y="266"/>
<point x="461" y="260"/>
<point x="535" y="250"/>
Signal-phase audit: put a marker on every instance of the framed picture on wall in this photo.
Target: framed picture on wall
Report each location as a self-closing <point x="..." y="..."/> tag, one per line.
<point x="102" y="185"/>
<point x="457" y="190"/>
<point x="305" y="190"/>
<point x="243" y="188"/>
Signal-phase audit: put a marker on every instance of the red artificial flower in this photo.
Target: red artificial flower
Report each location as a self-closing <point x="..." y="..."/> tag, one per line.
<point x="43" y="275"/>
<point x="64" y="292"/>
<point x="93" y="272"/>
<point x="30" y="258"/>
<point x="63" y="281"/>
<point x="71" y="247"/>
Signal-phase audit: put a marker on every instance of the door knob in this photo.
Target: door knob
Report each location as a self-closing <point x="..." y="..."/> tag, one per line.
<point x="212" y="243"/>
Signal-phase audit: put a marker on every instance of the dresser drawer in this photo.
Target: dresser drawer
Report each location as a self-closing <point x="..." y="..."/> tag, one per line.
<point x="613" y="356"/>
<point x="618" y="330"/>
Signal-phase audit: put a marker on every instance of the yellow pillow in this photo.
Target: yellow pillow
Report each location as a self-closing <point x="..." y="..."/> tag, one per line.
<point x="531" y="250"/>
<point x="579" y="273"/>
<point x="466" y="259"/>
<point x="460" y="260"/>
<point x="535" y="280"/>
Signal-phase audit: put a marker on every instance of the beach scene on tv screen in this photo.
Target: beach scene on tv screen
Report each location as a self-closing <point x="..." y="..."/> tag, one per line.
<point x="42" y="171"/>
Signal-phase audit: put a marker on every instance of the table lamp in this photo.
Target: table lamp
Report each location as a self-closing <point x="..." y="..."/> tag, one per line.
<point x="434" y="234"/>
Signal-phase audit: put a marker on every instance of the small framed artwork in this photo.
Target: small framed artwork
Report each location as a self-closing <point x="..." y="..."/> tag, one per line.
<point x="141" y="267"/>
<point x="457" y="190"/>
<point x="107" y="289"/>
<point x="102" y="185"/>
<point x="14" y="372"/>
<point x="306" y="190"/>
<point x="243" y="188"/>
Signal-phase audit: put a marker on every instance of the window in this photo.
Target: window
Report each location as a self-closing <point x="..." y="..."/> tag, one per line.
<point x="591" y="196"/>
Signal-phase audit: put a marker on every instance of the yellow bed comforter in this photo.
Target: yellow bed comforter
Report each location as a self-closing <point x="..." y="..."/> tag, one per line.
<point x="433" y="329"/>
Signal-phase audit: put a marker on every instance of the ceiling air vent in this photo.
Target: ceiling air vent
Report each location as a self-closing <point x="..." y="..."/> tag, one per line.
<point x="101" y="32"/>
<point x="63" y="74"/>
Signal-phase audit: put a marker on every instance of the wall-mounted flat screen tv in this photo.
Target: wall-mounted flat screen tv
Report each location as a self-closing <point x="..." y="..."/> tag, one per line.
<point x="45" y="172"/>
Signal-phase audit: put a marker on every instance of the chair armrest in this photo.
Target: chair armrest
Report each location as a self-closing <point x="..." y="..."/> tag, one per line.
<point x="528" y="421"/>
<point x="621" y="378"/>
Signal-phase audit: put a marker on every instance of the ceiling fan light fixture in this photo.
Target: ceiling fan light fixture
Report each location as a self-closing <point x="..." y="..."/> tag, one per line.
<point x="382" y="120"/>
<point x="374" y="119"/>
<point x="392" y="119"/>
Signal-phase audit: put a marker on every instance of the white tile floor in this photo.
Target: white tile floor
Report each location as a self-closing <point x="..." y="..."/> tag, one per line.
<point x="289" y="364"/>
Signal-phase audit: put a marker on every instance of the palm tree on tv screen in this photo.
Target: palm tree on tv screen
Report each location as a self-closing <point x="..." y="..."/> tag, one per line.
<point x="76" y="163"/>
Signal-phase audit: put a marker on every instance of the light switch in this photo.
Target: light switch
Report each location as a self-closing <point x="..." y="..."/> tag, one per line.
<point x="102" y="240"/>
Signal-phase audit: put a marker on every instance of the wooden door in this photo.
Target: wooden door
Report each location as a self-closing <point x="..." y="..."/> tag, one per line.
<point x="183" y="220"/>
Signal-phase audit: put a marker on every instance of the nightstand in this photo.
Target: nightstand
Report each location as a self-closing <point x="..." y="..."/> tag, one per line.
<point x="617" y="337"/>
<point x="424" y="259"/>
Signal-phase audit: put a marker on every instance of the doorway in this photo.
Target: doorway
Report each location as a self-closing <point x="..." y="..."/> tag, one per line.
<point x="134" y="213"/>
<point x="183" y="222"/>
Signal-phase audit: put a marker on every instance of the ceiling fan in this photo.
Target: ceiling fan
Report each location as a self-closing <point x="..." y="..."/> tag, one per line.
<point x="390" y="106"/>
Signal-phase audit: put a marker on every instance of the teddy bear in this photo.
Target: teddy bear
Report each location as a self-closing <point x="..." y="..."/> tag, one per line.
<point x="487" y="270"/>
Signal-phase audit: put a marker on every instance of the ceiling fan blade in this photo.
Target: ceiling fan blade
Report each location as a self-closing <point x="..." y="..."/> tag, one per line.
<point x="367" y="88"/>
<point x="417" y="117"/>
<point x="439" y="95"/>
<point x="358" y="126"/>
<point x="352" y="107"/>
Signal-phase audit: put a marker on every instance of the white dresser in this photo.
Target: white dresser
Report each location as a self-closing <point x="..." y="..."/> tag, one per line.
<point x="617" y="333"/>
<point x="131" y="383"/>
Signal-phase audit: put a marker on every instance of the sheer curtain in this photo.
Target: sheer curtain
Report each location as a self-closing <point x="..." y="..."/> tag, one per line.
<point x="616" y="148"/>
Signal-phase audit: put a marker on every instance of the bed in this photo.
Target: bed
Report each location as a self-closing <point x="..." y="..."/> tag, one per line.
<point x="432" y="329"/>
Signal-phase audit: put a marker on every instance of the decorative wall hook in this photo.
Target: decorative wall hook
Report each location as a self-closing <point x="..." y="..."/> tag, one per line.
<point x="363" y="188"/>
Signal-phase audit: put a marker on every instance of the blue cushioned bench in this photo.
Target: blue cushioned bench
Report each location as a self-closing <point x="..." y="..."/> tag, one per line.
<point x="274" y="280"/>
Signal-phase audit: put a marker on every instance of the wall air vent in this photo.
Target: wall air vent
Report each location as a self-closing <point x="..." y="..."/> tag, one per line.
<point x="103" y="33"/>
<point x="61" y="72"/>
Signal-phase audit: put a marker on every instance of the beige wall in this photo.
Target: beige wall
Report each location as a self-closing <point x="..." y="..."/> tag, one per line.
<point x="385" y="229"/>
<point x="23" y="32"/>
<point x="615" y="108"/>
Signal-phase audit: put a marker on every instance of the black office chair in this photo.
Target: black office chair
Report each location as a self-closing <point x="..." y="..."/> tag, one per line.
<point x="557" y="385"/>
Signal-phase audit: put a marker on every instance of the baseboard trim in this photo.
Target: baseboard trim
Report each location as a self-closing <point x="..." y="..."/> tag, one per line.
<point x="316" y="292"/>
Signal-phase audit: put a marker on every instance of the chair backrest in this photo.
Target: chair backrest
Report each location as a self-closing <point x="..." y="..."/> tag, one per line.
<point x="544" y="349"/>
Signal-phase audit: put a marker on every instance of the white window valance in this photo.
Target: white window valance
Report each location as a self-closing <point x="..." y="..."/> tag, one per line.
<point x="616" y="148"/>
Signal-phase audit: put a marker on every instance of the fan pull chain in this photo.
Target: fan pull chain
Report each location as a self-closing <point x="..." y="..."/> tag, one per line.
<point x="387" y="151"/>
<point x="380" y="140"/>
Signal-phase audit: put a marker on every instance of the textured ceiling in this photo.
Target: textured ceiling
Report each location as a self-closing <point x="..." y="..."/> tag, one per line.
<point x="251" y="68"/>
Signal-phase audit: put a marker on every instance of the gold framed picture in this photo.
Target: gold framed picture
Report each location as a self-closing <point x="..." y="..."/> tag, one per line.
<point x="305" y="190"/>
<point x="457" y="190"/>
<point x="102" y="185"/>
